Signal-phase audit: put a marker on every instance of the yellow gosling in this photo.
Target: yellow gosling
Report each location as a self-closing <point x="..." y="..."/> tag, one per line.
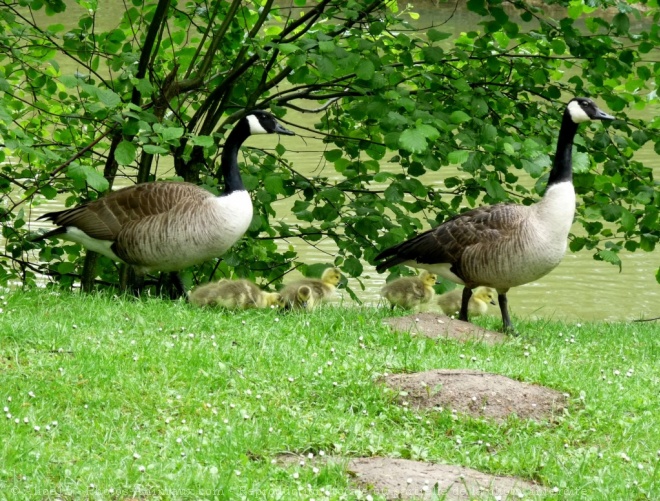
<point x="301" y="298"/>
<point x="410" y="292"/>
<point x="321" y="289"/>
<point x="450" y="302"/>
<point x="233" y="295"/>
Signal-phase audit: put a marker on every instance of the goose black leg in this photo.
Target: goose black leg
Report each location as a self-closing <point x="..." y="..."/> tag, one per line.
<point x="467" y="294"/>
<point x="177" y="289"/>
<point x="506" y="319"/>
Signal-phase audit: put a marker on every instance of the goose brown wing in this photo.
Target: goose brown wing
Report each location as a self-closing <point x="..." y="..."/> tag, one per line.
<point x="447" y="243"/>
<point x="106" y="217"/>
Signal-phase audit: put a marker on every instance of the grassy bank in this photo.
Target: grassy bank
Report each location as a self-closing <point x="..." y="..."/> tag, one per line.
<point x="108" y="398"/>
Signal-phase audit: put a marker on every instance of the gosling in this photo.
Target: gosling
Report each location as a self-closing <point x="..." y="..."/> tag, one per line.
<point x="233" y="295"/>
<point x="321" y="289"/>
<point x="301" y="298"/>
<point x="410" y="292"/>
<point x="450" y="302"/>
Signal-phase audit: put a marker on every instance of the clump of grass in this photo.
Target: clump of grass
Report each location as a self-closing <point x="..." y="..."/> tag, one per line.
<point x="111" y="398"/>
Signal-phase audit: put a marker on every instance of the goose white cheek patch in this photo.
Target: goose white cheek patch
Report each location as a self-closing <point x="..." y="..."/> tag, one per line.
<point x="578" y="115"/>
<point x="255" y="125"/>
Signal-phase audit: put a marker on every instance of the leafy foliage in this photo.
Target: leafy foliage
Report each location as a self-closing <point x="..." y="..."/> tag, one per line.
<point x="86" y="104"/>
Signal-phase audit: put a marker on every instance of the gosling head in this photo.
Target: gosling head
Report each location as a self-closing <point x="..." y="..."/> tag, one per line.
<point x="583" y="109"/>
<point x="273" y="300"/>
<point x="331" y="276"/>
<point x="262" y="122"/>
<point x="304" y="295"/>
<point x="486" y="294"/>
<point x="428" y="279"/>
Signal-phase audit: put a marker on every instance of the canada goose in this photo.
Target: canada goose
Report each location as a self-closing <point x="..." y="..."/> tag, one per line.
<point x="321" y="289"/>
<point x="301" y="298"/>
<point x="410" y="292"/>
<point x="168" y="226"/>
<point x="233" y="294"/>
<point x="504" y="245"/>
<point x="450" y="302"/>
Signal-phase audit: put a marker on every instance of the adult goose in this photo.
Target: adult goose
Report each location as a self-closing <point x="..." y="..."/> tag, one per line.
<point x="504" y="245"/>
<point x="168" y="226"/>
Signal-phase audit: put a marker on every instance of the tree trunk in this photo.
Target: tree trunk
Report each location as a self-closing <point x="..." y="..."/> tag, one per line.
<point x="89" y="271"/>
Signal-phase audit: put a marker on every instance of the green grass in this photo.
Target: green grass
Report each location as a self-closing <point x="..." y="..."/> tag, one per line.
<point x="156" y="400"/>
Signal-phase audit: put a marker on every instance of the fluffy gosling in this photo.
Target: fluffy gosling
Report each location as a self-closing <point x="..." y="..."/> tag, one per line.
<point x="450" y="302"/>
<point x="410" y="292"/>
<point x="301" y="298"/>
<point x="233" y="295"/>
<point x="320" y="289"/>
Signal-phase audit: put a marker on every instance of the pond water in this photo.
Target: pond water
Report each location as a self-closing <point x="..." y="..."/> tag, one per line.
<point x="580" y="288"/>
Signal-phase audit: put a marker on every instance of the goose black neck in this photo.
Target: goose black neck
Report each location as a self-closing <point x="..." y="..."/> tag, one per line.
<point x="562" y="168"/>
<point x="229" y="158"/>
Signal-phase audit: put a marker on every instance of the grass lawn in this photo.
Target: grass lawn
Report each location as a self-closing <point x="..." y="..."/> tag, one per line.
<point x="122" y="399"/>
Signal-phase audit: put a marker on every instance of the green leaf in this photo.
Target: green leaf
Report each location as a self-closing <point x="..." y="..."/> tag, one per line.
<point x="428" y="131"/>
<point x="96" y="180"/>
<point x="256" y="223"/>
<point x="333" y="155"/>
<point x="144" y="86"/>
<point x="88" y="174"/>
<point x="288" y="48"/>
<point x="610" y="257"/>
<point x="125" y="153"/>
<point x="478" y="6"/>
<point x="413" y="140"/>
<point x="621" y="23"/>
<point x="353" y="266"/>
<point x="494" y="189"/>
<point x="575" y="9"/>
<point x="55" y="7"/>
<point x="203" y="141"/>
<point x="327" y="46"/>
<point x="558" y="46"/>
<point x="393" y="193"/>
<point x="154" y="149"/>
<point x="458" y="117"/>
<point x="611" y="212"/>
<point x="325" y="66"/>
<point x="171" y="133"/>
<point x="48" y="191"/>
<point x="65" y="267"/>
<point x="365" y="70"/>
<point x="628" y="221"/>
<point x="56" y="28"/>
<point x="274" y="184"/>
<point x="581" y="162"/>
<point x="108" y="98"/>
<point x="435" y="35"/>
<point x="457" y="157"/>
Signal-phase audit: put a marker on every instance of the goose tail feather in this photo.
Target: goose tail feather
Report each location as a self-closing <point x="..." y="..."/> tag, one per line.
<point x="48" y="234"/>
<point x="394" y="258"/>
